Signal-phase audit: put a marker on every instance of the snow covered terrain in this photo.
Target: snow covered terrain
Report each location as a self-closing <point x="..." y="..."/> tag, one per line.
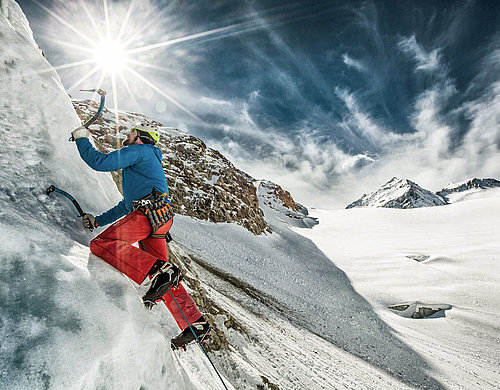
<point x="469" y="189"/>
<point x="399" y="194"/>
<point x="299" y="308"/>
<point x="440" y="257"/>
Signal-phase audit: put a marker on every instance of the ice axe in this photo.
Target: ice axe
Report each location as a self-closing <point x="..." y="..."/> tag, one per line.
<point x="98" y="114"/>
<point x="53" y="188"/>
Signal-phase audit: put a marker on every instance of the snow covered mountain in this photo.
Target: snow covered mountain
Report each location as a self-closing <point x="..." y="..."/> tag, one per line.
<point x="286" y="316"/>
<point x="399" y="194"/>
<point x="455" y="192"/>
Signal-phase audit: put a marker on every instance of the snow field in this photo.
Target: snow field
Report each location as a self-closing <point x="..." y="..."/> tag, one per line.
<point x="268" y="345"/>
<point x="458" y="247"/>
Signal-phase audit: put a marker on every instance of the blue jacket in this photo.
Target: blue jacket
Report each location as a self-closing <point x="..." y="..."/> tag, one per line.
<point x="141" y="172"/>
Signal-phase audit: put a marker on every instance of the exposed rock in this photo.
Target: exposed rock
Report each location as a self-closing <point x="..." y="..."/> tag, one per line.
<point x="207" y="306"/>
<point x="419" y="310"/>
<point x="202" y="182"/>
<point x="278" y="203"/>
<point x="267" y="384"/>
<point x="418" y="257"/>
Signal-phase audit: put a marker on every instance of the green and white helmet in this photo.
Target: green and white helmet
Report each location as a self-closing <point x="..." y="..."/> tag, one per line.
<point x="147" y="133"/>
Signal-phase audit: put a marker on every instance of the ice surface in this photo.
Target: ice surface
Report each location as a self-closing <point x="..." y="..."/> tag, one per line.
<point x="67" y="319"/>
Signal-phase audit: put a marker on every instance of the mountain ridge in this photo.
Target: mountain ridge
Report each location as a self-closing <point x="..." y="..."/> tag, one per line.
<point x="406" y="194"/>
<point x="475" y="183"/>
<point x="400" y="194"/>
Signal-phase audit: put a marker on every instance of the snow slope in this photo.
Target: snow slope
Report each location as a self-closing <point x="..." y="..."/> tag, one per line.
<point x="437" y="257"/>
<point x="309" y="292"/>
<point x="267" y="348"/>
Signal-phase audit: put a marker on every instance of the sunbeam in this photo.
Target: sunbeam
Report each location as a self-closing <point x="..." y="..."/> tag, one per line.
<point x="68" y="44"/>
<point x="115" y="102"/>
<point x="127" y="87"/>
<point x="244" y="26"/>
<point x="84" y="78"/>
<point x="100" y="81"/>
<point x="106" y="18"/>
<point x="147" y="82"/>
<point x="74" y="64"/>
<point x="91" y="18"/>
<point x="125" y="20"/>
<point x="147" y="65"/>
<point x="53" y="14"/>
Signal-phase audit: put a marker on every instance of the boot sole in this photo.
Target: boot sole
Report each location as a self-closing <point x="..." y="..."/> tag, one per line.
<point x="205" y="339"/>
<point x="158" y="295"/>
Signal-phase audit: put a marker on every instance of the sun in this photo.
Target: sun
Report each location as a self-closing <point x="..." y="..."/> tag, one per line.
<point x="113" y="43"/>
<point x="110" y="56"/>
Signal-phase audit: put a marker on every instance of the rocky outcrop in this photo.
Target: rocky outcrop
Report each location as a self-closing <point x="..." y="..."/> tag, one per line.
<point x="202" y="182"/>
<point x="205" y="185"/>
<point x="277" y="203"/>
<point x="420" y="310"/>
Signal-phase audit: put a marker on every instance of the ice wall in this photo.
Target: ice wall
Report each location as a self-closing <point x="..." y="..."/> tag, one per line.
<point x="67" y="319"/>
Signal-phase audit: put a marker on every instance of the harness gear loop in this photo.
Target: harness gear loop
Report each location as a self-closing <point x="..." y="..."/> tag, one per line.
<point x="158" y="210"/>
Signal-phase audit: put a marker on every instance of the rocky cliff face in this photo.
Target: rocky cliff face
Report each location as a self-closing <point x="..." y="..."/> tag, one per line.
<point x="202" y="182"/>
<point x="399" y="194"/>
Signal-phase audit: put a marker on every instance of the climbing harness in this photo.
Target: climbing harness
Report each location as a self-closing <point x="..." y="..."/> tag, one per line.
<point x="158" y="210"/>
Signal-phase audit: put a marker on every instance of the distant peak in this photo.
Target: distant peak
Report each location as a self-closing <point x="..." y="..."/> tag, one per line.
<point x="467" y="186"/>
<point x="399" y="194"/>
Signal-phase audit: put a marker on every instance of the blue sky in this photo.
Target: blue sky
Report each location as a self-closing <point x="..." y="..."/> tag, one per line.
<point x="328" y="98"/>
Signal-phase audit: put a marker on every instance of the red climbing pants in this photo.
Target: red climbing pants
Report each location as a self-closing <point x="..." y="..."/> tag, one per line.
<point x="114" y="245"/>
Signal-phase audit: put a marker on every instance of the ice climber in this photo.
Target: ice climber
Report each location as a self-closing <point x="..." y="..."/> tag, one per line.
<point x="142" y="216"/>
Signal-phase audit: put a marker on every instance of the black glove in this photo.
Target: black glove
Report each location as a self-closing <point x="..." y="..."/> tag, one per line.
<point x="89" y="222"/>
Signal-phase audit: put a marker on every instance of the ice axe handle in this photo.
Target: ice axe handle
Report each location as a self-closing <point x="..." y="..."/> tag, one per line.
<point x="53" y="188"/>
<point x="98" y="114"/>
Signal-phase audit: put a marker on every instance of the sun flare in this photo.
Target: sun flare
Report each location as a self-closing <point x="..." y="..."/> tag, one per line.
<point x="117" y="42"/>
<point x="110" y="56"/>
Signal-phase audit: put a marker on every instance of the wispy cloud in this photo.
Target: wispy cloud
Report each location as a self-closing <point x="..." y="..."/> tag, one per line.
<point x="353" y="63"/>
<point x="256" y="86"/>
<point x="426" y="60"/>
<point x="328" y="159"/>
<point x="482" y="143"/>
